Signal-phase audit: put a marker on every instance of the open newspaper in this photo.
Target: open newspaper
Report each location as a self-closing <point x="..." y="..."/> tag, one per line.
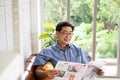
<point x="78" y="71"/>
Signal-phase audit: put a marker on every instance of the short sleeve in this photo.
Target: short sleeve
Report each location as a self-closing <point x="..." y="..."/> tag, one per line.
<point x="41" y="58"/>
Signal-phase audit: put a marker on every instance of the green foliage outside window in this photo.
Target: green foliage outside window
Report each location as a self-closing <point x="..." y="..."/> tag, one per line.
<point x="48" y="35"/>
<point x="106" y="40"/>
<point x="81" y="15"/>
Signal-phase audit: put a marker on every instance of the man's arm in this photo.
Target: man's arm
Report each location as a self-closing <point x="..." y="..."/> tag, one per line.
<point x="43" y="74"/>
<point x="40" y="73"/>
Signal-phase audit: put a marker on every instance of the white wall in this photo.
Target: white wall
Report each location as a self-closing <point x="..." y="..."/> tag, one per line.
<point x="6" y="40"/>
<point x="18" y="32"/>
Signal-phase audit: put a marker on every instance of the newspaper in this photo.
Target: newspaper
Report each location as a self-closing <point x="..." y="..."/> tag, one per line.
<point x="78" y="71"/>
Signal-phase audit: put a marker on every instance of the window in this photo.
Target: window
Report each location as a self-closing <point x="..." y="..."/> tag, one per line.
<point x="80" y="13"/>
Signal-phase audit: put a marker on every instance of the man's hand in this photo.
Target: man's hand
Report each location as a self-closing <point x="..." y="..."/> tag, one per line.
<point x="52" y="73"/>
<point x="100" y="73"/>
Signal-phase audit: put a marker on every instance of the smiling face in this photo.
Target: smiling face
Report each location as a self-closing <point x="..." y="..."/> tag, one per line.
<point x="64" y="36"/>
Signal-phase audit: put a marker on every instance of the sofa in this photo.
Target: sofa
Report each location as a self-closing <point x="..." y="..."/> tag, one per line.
<point x="29" y="69"/>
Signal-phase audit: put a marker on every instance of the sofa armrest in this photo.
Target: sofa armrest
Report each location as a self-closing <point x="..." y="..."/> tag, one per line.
<point x="29" y="69"/>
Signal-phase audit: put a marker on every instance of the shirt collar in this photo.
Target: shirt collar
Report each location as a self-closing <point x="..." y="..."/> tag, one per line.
<point x="58" y="47"/>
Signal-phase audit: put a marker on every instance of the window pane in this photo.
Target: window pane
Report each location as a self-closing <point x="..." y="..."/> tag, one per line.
<point x="54" y="11"/>
<point x="107" y="34"/>
<point x="106" y="31"/>
<point x="81" y="15"/>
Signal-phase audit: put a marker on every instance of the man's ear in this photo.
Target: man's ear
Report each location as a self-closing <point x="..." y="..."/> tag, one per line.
<point x="57" y="33"/>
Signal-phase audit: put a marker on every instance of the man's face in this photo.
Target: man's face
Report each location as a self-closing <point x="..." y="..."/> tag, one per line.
<point x="65" y="35"/>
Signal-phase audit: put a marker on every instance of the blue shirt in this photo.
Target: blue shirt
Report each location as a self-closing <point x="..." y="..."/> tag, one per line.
<point x="54" y="53"/>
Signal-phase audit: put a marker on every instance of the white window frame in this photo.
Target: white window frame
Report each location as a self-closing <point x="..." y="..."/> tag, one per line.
<point x="94" y="33"/>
